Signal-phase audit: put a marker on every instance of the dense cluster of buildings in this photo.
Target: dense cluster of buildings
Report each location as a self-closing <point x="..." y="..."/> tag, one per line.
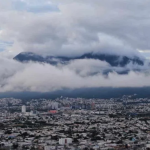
<point x="75" y="124"/>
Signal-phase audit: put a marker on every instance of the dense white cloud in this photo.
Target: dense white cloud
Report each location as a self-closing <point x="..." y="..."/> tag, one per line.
<point x="15" y="76"/>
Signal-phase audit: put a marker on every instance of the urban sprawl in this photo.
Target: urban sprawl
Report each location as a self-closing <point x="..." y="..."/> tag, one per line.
<point x="75" y="124"/>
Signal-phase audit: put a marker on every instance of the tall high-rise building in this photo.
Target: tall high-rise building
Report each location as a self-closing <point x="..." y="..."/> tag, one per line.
<point x="23" y="109"/>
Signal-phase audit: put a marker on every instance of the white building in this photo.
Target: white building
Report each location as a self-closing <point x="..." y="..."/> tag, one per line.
<point x="54" y="105"/>
<point x="64" y="141"/>
<point x="49" y="148"/>
<point x="23" y="109"/>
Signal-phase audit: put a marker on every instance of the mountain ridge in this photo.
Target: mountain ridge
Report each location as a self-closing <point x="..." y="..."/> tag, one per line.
<point x="113" y="60"/>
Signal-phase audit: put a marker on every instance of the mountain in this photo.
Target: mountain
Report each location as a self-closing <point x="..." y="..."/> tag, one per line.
<point x="113" y="60"/>
<point x="104" y="93"/>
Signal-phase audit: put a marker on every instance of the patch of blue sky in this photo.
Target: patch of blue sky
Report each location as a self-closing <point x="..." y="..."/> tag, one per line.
<point x="35" y="6"/>
<point x="146" y="54"/>
<point x="5" y="44"/>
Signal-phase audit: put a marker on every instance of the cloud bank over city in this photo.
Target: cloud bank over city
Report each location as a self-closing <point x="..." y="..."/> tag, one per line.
<point x="72" y="28"/>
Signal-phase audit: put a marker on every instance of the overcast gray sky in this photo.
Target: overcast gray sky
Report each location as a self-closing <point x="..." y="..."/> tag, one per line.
<point x="68" y="27"/>
<point x="71" y="28"/>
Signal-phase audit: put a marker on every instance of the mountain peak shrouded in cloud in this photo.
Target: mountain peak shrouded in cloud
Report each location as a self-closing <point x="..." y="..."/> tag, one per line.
<point x="113" y="60"/>
<point x="109" y="62"/>
<point x="73" y="44"/>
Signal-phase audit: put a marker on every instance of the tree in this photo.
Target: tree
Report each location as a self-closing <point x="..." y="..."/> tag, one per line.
<point x="15" y="145"/>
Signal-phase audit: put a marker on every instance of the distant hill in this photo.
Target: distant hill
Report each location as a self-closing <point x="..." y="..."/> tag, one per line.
<point x="142" y="92"/>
